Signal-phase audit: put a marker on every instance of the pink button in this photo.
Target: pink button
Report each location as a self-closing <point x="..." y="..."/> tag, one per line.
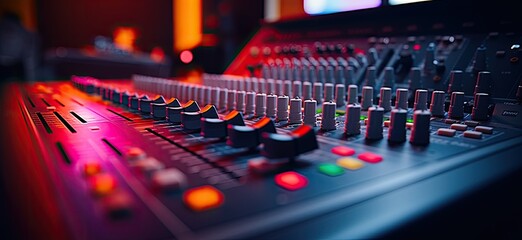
<point x="370" y="157"/>
<point x="343" y="151"/>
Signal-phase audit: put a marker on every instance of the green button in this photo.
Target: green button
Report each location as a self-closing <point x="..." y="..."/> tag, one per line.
<point x="330" y="169"/>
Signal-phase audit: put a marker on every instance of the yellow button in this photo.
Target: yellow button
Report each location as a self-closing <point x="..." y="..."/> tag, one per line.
<point x="350" y="163"/>
<point x="203" y="198"/>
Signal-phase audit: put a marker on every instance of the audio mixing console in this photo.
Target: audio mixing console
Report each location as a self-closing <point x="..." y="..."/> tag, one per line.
<point x="307" y="135"/>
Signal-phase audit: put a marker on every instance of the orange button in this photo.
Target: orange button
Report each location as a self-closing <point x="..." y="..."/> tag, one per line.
<point x="102" y="184"/>
<point x="203" y="198"/>
<point x="92" y="167"/>
<point x="343" y="151"/>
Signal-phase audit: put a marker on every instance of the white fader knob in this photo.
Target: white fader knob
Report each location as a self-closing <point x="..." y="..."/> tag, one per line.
<point x="352" y="121"/>
<point x="437" y="103"/>
<point x="397" y="129"/>
<point x="340" y="95"/>
<point x="420" y="132"/>
<point x="282" y="108"/>
<point x="328" y="118"/>
<point x="421" y="99"/>
<point x="310" y="108"/>
<point x="385" y="100"/>
<point x="367" y="97"/>
<point x="271" y="101"/>
<point x="295" y="111"/>
<point x="374" y="127"/>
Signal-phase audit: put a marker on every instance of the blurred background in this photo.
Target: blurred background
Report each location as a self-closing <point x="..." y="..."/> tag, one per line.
<point x="54" y="39"/>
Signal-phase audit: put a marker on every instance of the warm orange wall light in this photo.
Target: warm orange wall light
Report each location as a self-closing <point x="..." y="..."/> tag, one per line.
<point x="124" y="38"/>
<point x="187" y="24"/>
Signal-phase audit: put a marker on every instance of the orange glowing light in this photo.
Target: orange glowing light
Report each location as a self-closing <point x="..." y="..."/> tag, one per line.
<point x="186" y="56"/>
<point x="203" y="198"/>
<point x="102" y="184"/>
<point x="124" y="38"/>
<point x="91" y="168"/>
<point x="187" y="24"/>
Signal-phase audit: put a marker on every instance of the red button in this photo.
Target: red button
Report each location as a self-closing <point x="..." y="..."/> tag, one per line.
<point x="343" y="151"/>
<point x="370" y="157"/>
<point x="291" y="180"/>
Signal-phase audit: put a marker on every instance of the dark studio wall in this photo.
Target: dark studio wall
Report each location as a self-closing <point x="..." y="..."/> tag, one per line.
<point x="65" y="23"/>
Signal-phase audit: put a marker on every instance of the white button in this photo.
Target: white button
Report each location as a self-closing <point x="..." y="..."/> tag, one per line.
<point x="446" y="132"/>
<point x="473" y="134"/>
<point x="169" y="179"/>
<point x="459" y="127"/>
<point x="484" y="129"/>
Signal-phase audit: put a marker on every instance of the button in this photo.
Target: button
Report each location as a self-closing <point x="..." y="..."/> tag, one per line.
<point x="102" y="184"/>
<point x="328" y="118"/>
<point x="450" y="121"/>
<point x="191" y="120"/>
<point x="370" y="157"/>
<point x="420" y="132"/>
<point x="203" y="198"/>
<point x="401" y="102"/>
<point x="374" y="126"/>
<point x="446" y="132"/>
<point x="213" y="128"/>
<point x="437" y="103"/>
<point x="330" y="169"/>
<point x="305" y="139"/>
<point x="385" y="100"/>
<point x="242" y="136"/>
<point x="456" y="108"/>
<point x="134" y="153"/>
<point x="367" y="98"/>
<point x="168" y="179"/>
<point x="118" y="205"/>
<point x="309" y="112"/>
<point x="282" y="108"/>
<point x="265" y="124"/>
<point x="471" y="123"/>
<point x="148" y="165"/>
<point x="343" y="151"/>
<point x="174" y="114"/>
<point x="291" y="180"/>
<point x="397" y="128"/>
<point x="295" y="111"/>
<point x="191" y="106"/>
<point x="92" y="167"/>
<point x="480" y="107"/>
<point x="234" y="118"/>
<point x="263" y="165"/>
<point x="484" y="129"/>
<point x="459" y="127"/>
<point x="473" y="134"/>
<point x="352" y="120"/>
<point x="350" y="163"/>
<point x="278" y="145"/>
<point x="352" y="94"/>
<point x="209" y="111"/>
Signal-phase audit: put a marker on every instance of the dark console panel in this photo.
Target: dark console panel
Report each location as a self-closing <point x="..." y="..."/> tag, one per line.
<point x="324" y="133"/>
